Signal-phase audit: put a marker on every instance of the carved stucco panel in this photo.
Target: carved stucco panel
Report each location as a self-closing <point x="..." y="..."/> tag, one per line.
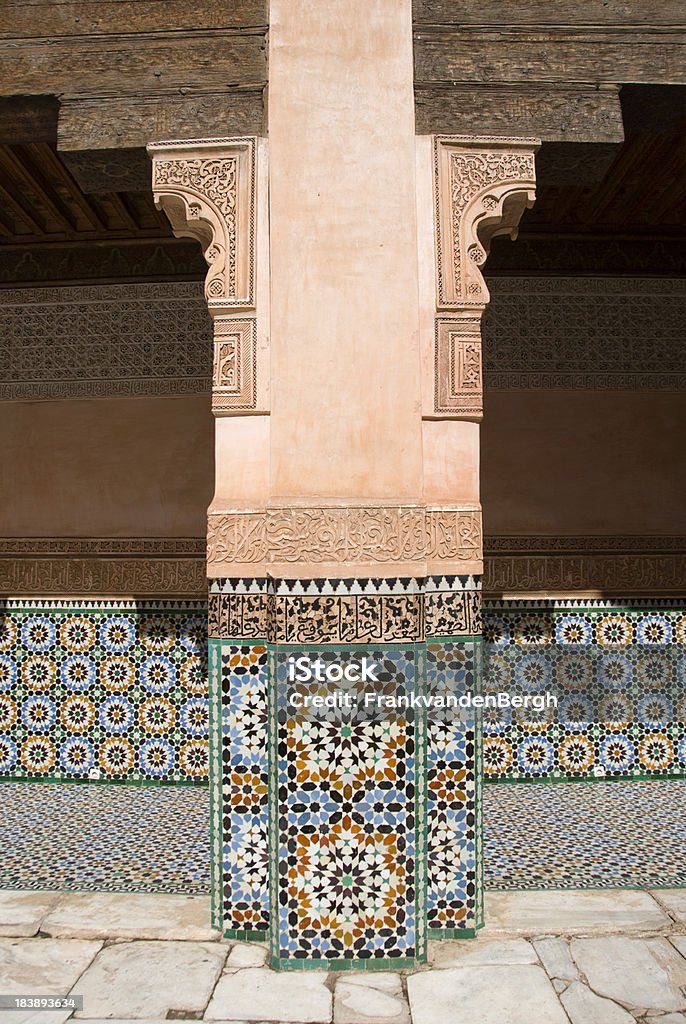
<point x="351" y="534"/>
<point x="207" y="190"/>
<point x="481" y="189"/>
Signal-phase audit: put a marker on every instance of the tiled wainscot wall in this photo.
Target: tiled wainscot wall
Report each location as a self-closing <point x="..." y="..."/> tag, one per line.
<point x="117" y="691"/>
<point x="618" y="671"/>
<point x="113" y="690"/>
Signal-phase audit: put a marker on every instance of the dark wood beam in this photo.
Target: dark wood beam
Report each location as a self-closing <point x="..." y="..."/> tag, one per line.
<point x="553" y="114"/>
<point x="544" y="12"/>
<point x="102" y="141"/>
<point x="134" y="65"/>
<point x="557" y="55"/>
<point x="30" y="18"/>
<point x="25" y="119"/>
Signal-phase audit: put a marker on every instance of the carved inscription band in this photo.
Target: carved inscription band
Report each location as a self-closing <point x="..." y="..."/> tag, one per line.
<point x="380" y="534"/>
<point x="435" y="607"/>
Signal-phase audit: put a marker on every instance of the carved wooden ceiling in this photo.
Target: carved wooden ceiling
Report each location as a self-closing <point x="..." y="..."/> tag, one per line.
<point x="643" y="192"/>
<point x="41" y="202"/>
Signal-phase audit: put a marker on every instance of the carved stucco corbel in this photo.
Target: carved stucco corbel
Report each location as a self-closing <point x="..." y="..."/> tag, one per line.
<point x="207" y="191"/>
<point x="481" y="188"/>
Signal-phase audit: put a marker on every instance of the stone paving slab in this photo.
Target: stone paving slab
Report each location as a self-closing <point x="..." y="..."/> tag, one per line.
<point x="131" y="916"/>
<point x="584" y="1007"/>
<point x="504" y="994"/>
<point x="22" y="913"/>
<point x="481" y="951"/>
<point x="149" y="979"/>
<point x="674" y="900"/>
<point x="42" y="967"/>
<point x="572" y="912"/>
<point x="370" y="998"/>
<point x="639" y="973"/>
<point x="263" y="995"/>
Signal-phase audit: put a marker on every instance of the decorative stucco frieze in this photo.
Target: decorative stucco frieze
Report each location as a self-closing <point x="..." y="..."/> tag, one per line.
<point x="104" y="341"/>
<point x="345" y="534"/>
<point x="481" y="188"/>
<point x="102" y="567"/>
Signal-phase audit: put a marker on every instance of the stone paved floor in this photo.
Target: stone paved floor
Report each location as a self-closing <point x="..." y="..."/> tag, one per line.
<point x="155" y="839"/>
<point x="543" y="958"/>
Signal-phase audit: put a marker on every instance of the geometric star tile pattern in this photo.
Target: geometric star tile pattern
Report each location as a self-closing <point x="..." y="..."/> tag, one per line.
<point x="104" y="689"/>
<point x="619" y="673"/>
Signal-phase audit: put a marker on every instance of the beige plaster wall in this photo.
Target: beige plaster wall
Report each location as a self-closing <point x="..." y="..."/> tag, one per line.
<point x="346" y="406"/>
<point x="586" y="462"/>
<point x="106" y="468"/>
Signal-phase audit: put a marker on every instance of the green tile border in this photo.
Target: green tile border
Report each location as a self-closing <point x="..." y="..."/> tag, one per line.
<point x="436" y="934"/>
<point x="347" y="964"/>
<point x="215" y="784"/>
<point x="246" y="935"/>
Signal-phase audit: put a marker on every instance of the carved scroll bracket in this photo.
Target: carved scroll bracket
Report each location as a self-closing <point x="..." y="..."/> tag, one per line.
<point x="207" y="190"/>
<point x="481" y="188"/>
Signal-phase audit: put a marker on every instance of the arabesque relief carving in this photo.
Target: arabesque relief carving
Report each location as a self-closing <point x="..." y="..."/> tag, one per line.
<point x="207" y="190"/>
<point x="235" y="369"/>
<point x="350" y="534"/>
<point x="481" y="188"/>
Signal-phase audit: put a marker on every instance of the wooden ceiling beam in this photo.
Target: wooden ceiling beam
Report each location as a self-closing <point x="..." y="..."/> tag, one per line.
<point x="37" y="190"/>
<point x="536" y="13"/>
<point x="134" y="65"/>
<point x="583" y="56"/>
<point x="29" y="18"/>
<point x="553" y="114"/>
<point x="28" y="119"/>
<point x="102" y="140"/>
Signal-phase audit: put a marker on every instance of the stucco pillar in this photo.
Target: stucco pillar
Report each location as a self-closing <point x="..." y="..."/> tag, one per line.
<point x="346" y="524"/>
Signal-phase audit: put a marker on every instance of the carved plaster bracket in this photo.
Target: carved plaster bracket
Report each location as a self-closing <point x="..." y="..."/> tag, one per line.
<point x="207" y="190"/>
<point x="481" y="188"/>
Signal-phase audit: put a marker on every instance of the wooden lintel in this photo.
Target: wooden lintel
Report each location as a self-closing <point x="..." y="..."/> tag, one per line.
<point x="27" y="119"/>
<point x="562" y="114"/>
<point x="574" y="163"/>
<point x="110" y="170"/>
<point x="134" y="65"/>
<point x="536" y="13"/>
<point x="451" y="55"/>
<point x="133" y="122"/>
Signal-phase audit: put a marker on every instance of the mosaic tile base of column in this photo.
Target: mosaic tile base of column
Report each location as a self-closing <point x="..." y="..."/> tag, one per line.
<point x="238" y="665"/>
<point x="347" y="781"/>
<point x="453" y="667"/>
<point x="348" y="813"/>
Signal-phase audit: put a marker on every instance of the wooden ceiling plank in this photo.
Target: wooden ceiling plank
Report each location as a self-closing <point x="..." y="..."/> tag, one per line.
<point x="19" y="212"/>
<point x="46" y="157"/>
<point x="37" y="190"/>
<point x="542" y="12"/>
<point x="134" y="66"/>
<point x="119" y="204"/>
<point x="106" y="17"/>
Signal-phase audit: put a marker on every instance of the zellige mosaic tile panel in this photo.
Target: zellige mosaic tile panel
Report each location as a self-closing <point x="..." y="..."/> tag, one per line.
<point x="114" y="690"/>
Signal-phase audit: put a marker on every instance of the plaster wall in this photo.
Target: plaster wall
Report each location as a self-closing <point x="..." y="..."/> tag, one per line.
<point x="106" y="468"/>
<point x="583" y="462"/>
<point x="344" y="341"/>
